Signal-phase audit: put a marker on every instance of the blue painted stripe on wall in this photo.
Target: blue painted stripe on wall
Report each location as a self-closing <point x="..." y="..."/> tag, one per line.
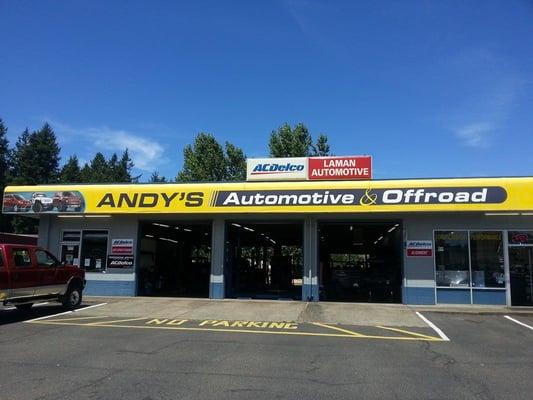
<point x="453" y="296"/>
<point x="310" y="292"/>
<point x="216" y="290"/>
<point x="418" y="295"/>
<point x="110" y="288"/>
<point x="494" y="297"/>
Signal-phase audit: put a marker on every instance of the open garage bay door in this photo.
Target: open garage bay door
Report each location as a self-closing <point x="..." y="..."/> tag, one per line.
<point x="360" y="262"/>
<point x="264" y="260"/>
<point x="175" y="259"/>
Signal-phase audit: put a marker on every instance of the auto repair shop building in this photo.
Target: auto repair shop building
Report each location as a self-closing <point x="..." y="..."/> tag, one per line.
<point x="415" y="241"/>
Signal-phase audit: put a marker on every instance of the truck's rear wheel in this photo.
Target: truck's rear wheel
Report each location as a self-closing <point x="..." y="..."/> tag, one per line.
<point x="24" y="307"/>
<point x="73" y="297"/>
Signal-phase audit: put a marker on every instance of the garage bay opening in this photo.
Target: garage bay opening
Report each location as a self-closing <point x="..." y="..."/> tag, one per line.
<point x="264" y="260"/>
<point x="175" y="259"/>
<point x="360" y="262"/>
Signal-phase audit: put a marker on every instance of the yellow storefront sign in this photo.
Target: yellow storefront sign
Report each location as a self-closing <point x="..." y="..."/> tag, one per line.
<point x="473" y="194"/>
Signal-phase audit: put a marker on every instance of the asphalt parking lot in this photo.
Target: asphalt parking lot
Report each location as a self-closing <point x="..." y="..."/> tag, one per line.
<point x="87" y="354"/>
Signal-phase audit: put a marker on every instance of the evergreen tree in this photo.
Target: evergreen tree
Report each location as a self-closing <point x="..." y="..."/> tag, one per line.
<point x="4" y="172"/>
<point x="36" y="157"/>
<point x="124" y="168"/>
<point x="99" y="169"/>
<point x="113" y="168"/>
<point x="71" y="172"/>
<point x="4" y="155"/>
<point x="156" y="178"/>
<point x="86" y="174"/>
<point x="296" y="142"/>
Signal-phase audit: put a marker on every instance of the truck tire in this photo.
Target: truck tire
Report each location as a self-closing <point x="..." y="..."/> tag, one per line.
<point x="24" y="307"/>
<point x="72" y="297"/>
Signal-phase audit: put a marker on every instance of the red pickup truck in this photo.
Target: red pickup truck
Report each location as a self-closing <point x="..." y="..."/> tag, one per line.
<point x="30" y="274"/>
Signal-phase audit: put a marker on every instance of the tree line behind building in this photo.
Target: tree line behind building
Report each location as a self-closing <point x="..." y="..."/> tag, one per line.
<point x="35" y="159"/>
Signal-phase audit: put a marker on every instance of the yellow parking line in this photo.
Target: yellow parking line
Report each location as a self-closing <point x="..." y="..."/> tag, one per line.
<point x="113" y="322"/>
<point x="337" y="329"/>
<point x="352" y="335"/>
<point x="76" y="318"/>
<point x="407" y="332"/>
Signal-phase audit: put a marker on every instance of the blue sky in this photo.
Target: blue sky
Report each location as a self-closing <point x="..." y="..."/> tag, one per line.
<point x="429" y="88"/>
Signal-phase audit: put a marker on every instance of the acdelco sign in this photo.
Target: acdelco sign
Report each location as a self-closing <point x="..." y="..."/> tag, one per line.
<point x="276" y="169"/>
<point x="340" y="168"/>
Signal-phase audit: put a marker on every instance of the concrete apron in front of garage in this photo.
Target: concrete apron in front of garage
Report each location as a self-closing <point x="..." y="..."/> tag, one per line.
<point x="392" y="315"/>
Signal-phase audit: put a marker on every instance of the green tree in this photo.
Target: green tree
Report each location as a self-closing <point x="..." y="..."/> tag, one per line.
<point x="125" y="166"/>
<point x="36" y="157"/>
<point x="99" y="169"/>
<point x="321" y="148"/>
<point x="156" y="178"/>
<point x="71" y="172"/>
<point x="296" y="142"/>
<point x="4" y="156"/>
<point x="4" y="171"/>
<point x="207" y="161"/>
<point x="235" y="163"/>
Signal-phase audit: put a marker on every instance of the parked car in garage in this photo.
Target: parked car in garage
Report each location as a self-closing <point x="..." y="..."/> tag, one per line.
<point x="63" y="200"/>
<point x="16" y="203"/>
<point x="30" y="274"/>
<point x="41" y="202"/>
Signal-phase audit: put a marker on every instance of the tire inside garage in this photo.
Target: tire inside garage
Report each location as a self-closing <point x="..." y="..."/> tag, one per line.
<point x="175" y="259"/>
<point x="360" y="262"/>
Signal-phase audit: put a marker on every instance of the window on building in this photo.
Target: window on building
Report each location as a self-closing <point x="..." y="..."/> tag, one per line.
<point x="486" y="259"/>
<point x="451" y="258"/>
<point x="1" y="259"/>
<point x="94" y="251"/>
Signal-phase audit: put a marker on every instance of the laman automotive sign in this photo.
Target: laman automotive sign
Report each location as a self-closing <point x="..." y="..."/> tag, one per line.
<point x="481" y="194"/>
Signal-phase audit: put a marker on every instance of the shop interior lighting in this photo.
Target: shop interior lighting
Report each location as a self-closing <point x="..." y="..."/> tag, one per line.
<point x="187" y="230"/>
<point x="149" y="236"/>
<point x="237" y="225"/>
<point x="392" y="229"/>
<point x="502" y="213"/>
<point x="168" y="240"/>
<point x="163" y="225"/>
<point x="70" y="216"/>
<point x="98" y="216"/>
<point x="249" y="229"/>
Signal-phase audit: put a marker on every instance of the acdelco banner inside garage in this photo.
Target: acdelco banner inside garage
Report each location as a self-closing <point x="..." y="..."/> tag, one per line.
<point x="476" y="194"/>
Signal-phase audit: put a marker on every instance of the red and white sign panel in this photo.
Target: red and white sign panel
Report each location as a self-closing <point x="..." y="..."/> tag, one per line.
<point x="340" y="168"/>
<point x="122" y="246"/>
<point x="419" y="248"/>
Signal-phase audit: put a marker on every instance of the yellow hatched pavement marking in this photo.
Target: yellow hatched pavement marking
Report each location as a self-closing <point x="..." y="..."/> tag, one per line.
<point x="114" y="321"/>
<point x="407" y="332"/>
<point x="76" y="318"/>
<point x="347" y="334"/>
<point x="352" y="333"/>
